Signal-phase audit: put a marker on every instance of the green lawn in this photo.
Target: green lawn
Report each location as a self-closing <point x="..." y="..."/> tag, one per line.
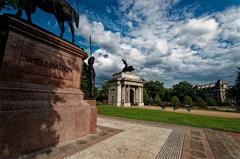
<point x="217" y="123"/>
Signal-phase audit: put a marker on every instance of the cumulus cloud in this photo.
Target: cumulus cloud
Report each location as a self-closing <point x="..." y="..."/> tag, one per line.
<point x="103" y="38"/>
<point x="197" y="49"/>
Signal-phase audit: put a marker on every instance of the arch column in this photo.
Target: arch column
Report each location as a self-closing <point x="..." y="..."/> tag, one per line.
<point x="127" y="97"/>
<point x="140" y="103"/>
<point x="123" y="98"/>
<point x="137" y="95"/>
<point x="119" y="94"/>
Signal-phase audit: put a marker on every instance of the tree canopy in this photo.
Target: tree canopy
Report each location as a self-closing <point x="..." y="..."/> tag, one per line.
<point x="200" y="102"/>
<point x="183" y="89"/>
<point x="104" y="91"/>
<point x="234" y="92"/>
<point x="157" y="100"/>
<point x="188" y="100"/>
<point x="8" y="4"/>
<point x="175" y="100"/>
<point x="154" y="88"/>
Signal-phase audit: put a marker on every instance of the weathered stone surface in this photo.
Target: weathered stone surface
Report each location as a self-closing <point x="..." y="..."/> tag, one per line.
<point x="41" y="104"/>
<point x="74" y="147"/>
<point x="196" y="145"/>
<point x="144" y="140"/>
<point x="224" y="145"/>
<point x="137" y="141"/>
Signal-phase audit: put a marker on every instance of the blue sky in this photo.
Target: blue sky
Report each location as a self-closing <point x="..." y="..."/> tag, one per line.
<point x="168" y="40"/>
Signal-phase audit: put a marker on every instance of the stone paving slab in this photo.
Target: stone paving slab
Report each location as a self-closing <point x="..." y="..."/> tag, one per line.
<point x="121" y="138"/>
<point x="173" y="147"/>
<point x="75" y="146"/>
<point x="137" y="141"/>
<point x="149" y="140"/>
<point x="196" y="145"/>
<point x="224" y="145"/>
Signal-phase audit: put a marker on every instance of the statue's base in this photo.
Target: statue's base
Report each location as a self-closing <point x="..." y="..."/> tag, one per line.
<point x="41" y="104"/>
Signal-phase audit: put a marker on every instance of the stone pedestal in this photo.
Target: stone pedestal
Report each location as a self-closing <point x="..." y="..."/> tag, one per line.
<point x="41" y="104"/>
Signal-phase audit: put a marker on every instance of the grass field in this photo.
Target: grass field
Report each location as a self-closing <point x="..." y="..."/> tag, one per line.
<point x="216" y="123"/>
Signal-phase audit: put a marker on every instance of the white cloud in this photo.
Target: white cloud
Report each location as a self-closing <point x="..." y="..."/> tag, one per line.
<point x="230" y="23"/>
<point x="160" y="48"/>
<point x="96" y="29"/>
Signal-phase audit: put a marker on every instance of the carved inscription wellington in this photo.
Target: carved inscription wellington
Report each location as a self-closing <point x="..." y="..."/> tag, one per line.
<point x="47" y="64"/>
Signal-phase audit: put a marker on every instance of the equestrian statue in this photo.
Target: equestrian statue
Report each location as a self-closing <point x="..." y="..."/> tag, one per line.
<point x="61" y="9"/>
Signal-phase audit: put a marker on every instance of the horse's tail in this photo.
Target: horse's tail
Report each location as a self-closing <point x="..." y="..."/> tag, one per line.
<point x="76" y="17"/>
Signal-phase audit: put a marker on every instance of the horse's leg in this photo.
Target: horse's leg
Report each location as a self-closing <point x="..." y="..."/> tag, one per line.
<point x="62" y="29"/>
<point x="72" y="29"/>
<point x="20" y="7"/>
<point x="28" y="12"/>
<point x="19" y="12"/>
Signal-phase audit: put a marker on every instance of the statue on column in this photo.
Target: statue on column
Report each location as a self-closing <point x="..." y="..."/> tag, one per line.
<point x="91" y="77"/>
<point x="127" y="68"/>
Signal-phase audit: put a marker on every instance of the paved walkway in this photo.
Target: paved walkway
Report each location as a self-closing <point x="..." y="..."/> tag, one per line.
<point x="151" y="140"/>
<point x="196" y="111"/>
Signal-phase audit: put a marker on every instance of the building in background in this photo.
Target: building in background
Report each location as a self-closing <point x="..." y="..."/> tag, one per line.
<point x="217" y="91"/>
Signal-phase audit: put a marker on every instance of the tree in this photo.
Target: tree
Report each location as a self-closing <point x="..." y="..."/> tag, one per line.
<point x="145" y="96"/>
<point x="154" y="87"/>
<point x="200" y="102"/>
<point x="168" y="94"/>
<point x="234" y="92"/>
<point x="104" y="90"/>
<point x="150" y="100"/>
<point x="175" y="101"/>
<point x="8" y="4"/>
<point x="96" y="92"/>
<point x="157" y="100"/>
<point x="188" y="100"/>
<point x="183" y="89"/>
<point x="211" y="101"/>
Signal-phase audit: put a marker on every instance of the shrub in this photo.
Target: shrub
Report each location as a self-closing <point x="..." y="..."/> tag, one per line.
<point x="211" y="102"/>
<point x="200" y="102"/>
<point x="175" y="100"/>
<point x="188" y="100"/>
<point x="157" y="100"/>
<point x="150" y="100"/>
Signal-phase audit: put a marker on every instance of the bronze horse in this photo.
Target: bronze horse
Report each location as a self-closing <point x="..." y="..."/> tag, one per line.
<point x="60" y="8"/>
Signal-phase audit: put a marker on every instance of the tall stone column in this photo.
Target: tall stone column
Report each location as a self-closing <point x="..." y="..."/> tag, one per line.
<point x="137" y="95"/>
<point x="141" y="96"/>
<point x="123" y="99"/>
<point x="128" y="96"/>
<point x="119" y="94"/>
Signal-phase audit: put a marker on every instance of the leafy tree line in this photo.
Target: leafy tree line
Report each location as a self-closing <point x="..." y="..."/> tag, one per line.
<point x="182" y="93"/>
